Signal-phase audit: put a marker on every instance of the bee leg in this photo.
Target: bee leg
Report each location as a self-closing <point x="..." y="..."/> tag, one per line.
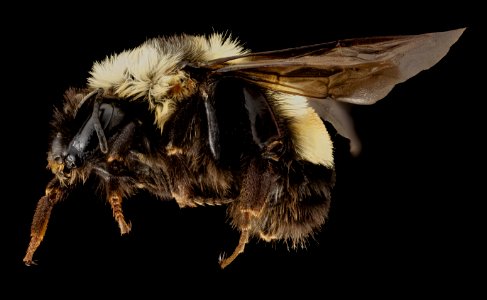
<point x="244" y="239"/>
<point x="117" y="148"/>
<point x="115" y="200"/>
<point x="121" y="143"/>
<point x="255" y="188"/>
<point x="54" y="193"/>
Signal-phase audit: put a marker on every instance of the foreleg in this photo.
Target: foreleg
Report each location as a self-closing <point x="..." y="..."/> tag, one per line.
<point x="54" y="193"/>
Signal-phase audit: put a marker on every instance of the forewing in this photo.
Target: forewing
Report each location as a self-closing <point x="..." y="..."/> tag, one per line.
<point x="359" y="71"/>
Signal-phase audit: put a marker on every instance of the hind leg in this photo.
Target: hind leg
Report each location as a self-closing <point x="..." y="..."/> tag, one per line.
<point x="255" y="188"/>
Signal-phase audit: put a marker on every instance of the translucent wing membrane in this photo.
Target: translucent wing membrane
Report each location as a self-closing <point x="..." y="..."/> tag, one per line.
<point x="359" y="71"/>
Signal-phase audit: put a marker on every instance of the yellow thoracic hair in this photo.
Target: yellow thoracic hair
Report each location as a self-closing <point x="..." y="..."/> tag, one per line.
<point x="147" y="69"/>
<point x="151" y="70"/>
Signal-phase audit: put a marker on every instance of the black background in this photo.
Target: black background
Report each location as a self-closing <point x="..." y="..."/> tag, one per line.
<point x="406" y="217"/>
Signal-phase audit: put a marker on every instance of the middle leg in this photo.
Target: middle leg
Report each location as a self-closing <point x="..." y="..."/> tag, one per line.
<point x="115" y="200"/>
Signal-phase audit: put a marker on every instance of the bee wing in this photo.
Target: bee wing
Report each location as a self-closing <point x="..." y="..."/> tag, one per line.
<point x="359" y="71"/>
<point x="338" y="114"/>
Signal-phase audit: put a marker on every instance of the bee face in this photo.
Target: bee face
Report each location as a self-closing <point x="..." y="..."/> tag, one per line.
<point x="98" y="122"/>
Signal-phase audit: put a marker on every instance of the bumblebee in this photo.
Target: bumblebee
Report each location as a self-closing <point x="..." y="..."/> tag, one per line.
<point x="201" y="120"/>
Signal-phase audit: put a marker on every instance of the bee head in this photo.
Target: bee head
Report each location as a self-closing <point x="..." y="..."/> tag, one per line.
<point x="97" y="120"/>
